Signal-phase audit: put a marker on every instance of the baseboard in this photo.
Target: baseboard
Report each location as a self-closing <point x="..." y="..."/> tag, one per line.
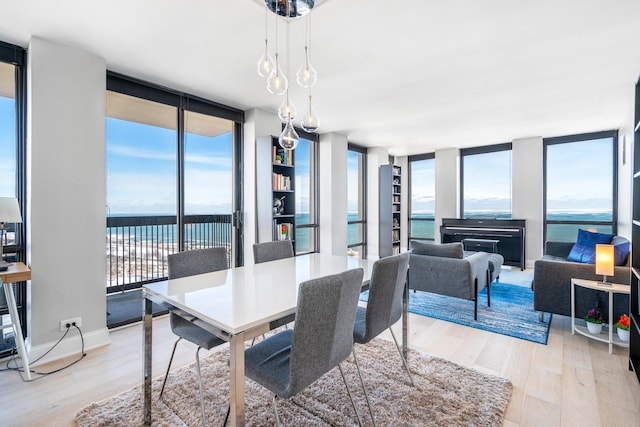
<point x="70" y="346"/>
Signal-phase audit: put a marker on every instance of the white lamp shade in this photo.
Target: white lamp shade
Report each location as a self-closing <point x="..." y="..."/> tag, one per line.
<point x="604" y="260"/>
<point x="9" y="210"/>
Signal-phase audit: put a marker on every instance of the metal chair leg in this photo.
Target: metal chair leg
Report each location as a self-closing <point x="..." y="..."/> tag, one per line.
<point x="366" y="395"/>
<point x="404" y="361"/>
<point x="204" y="417"/>
<point x="169" y="367"/>
<point x="353" y="403"/>
<point x="275" y="411"/>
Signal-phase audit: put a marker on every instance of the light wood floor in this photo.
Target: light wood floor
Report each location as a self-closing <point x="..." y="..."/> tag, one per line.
<point x="572" y="381"/>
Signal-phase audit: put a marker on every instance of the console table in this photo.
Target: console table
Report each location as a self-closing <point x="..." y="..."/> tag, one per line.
<point x="17" y="272"/>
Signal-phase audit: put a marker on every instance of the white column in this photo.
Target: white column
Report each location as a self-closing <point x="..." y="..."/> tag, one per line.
<point x="375" y="158"/>
<point x="447" y="186"/>
<point x="333" y="194"/>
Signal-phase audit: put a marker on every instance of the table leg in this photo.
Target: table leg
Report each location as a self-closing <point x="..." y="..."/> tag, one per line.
<point x="17" y="328"/>
<point x="611" y="322"/>
<point x="236" y="384"/>
<point x="147" y="353"/>
<point x="405" y="321"/>
<point x="573" y="308"/>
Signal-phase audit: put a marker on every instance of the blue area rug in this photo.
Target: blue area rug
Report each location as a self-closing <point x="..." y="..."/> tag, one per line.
<point x="511" y="312"/>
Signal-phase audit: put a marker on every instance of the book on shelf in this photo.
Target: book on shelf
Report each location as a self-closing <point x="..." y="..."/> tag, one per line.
<point x="283" y="231"/>
<point x="281" y="182"/>
<point x="282" y="156"/>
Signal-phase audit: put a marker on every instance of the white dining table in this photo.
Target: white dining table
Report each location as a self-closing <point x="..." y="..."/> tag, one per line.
<point x="239" y="304"/>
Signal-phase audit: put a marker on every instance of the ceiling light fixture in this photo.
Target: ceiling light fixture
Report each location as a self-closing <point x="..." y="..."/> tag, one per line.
<point x="266" y="62"/>
<point x="277" y="82"/>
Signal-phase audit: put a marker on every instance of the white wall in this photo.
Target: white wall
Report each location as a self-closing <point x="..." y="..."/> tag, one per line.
<point x="447" y="188"/>
<point x="527" y="192"/>
<point x="375" y="158"/>
<point x="333" y="194"/>
<point x="66" y="194"/>
<point x="257" y="123"/>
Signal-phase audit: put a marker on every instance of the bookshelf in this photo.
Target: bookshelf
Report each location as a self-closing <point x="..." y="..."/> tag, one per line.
<point x="390" y="209"/>
<point x="275" y="191"/>
<point x="634" y="306"/>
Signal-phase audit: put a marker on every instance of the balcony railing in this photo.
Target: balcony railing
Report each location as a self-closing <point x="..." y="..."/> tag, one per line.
<point x="137" y="246"/>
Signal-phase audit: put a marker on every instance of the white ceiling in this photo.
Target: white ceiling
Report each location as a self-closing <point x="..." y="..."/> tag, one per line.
<point x="413" y="76"/>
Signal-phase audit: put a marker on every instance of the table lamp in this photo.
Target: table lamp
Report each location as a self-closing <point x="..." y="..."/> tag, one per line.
<point x="604" y="261"/>
<point x="9" y="212"/>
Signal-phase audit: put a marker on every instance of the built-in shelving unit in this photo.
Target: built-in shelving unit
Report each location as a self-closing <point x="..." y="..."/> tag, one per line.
<point x="390" y="209"/>
<point x="634" y="306"/>
<point x="275" y="191"/>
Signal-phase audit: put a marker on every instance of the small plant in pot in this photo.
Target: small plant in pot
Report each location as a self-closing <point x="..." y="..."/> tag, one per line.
<point x="623" y="328"/>
<point x="594" y="321"/>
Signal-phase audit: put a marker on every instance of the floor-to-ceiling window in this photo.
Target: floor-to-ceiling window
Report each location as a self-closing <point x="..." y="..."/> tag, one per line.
<point x="306" y="185"/>
<point x="486" y="181"/>
<point x="356" y="201"/>
<point x="172" y="165"/>
<point x="580" y="184"/>
<point x="13" y="174"/>
<point x="422" y="204"/>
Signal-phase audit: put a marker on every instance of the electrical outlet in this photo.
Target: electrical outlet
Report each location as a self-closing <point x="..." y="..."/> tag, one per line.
<point x="70" y="322"/>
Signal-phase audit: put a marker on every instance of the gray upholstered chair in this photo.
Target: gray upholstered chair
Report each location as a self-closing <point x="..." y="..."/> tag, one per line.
<point x="271" y="251"/>
<point x="384" y="307"/>
<point x="290" y="361"/>
<point x="184" y="264"/>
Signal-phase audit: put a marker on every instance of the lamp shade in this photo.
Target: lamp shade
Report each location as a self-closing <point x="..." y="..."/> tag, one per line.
<point x="9" y="210"/>
<point x="604" y="260"/>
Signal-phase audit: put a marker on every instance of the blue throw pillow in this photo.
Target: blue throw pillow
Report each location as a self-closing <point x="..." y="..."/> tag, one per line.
<point x="584" y="250"/>
<point x="621" y="248"/>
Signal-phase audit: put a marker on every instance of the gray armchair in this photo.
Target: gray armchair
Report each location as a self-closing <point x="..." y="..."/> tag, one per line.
<point x="292" y="360"/>
<point x="445" y="269"/>
<point x="552" y="283"/>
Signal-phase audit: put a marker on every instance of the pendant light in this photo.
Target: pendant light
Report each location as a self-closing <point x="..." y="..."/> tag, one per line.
<point x="289" y="138"/>
<point x="287" y="109"/>
<point x="310" y="122"/>
<point x="306" y="76"/>
<point x="266" y="64"/>
<point x="277" y="82"/>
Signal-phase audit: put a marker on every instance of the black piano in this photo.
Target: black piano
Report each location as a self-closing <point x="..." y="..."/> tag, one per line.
<point x="510" y="234"/>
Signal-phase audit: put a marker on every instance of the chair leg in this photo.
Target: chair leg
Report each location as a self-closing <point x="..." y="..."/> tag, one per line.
<point x="169" y="367"/>
<point x="541" y="316"/>
<point x="204" y="417"/>
<point x="353" y="403"/>
<point x="475" y="302"/>
<point x="275" y="411"/>
<point x="404" y="361"/>
<point x="366" y="395"/>
<point x="488" y="289"/>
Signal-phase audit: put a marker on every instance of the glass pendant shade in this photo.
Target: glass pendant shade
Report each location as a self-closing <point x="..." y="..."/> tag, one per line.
<point x="306" y="76"/>
<point x="289" y="138"/>
<point x="277" y="83"/>
<point x="266" y="64"/>
<point x="310" y="122"/>
<point x="287" y="109"/>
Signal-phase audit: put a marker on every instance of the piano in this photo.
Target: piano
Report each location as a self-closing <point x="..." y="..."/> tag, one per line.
<point x="510" y="234"/>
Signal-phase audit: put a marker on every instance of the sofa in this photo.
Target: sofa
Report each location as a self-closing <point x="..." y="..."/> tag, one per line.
<point x="552" y="282"/>
<point x="447" y="270"/>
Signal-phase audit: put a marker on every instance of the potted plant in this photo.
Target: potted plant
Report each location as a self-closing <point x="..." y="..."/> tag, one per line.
<point x="623" y="328"/>
<point x="594" y="321"/>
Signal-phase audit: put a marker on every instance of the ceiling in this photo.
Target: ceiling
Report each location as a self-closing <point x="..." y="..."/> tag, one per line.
<point x="411" y="76"/>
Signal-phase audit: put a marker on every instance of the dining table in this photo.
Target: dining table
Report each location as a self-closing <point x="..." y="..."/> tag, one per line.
<point x="239" y="304"/>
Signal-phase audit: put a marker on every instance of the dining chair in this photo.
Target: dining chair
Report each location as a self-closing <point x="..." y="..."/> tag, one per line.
<point x="384" y="307"/>
<point x="288" y="362"/>
<point x="273" y="251"/>
<point x="189" y="263"/>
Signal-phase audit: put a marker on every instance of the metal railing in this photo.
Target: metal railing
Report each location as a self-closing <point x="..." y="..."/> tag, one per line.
<point x="137" y="246"/>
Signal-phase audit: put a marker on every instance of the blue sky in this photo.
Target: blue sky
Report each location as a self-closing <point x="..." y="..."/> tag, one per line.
<point x="7" y="147"/>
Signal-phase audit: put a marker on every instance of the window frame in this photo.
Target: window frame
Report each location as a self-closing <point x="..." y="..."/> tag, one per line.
<point x="362" y="198"/>
<point x="314" y="205"/>
<point x="410" y="160"/>
<point x="485" y="149"/>
<point x="567" y="139"/>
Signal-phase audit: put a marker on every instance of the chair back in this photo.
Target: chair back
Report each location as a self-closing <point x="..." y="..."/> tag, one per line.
<point x="384" y="306"/>
<point x="198" y="261"/>
<point x="271" y="251"/>
<point x="323" y="333"/>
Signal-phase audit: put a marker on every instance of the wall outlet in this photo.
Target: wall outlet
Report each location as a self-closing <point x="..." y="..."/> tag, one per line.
<point x="70" y="322"/>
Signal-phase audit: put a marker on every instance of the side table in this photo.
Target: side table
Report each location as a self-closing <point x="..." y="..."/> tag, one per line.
<point x="611" y="288"/>
<point x="17" y="272"/>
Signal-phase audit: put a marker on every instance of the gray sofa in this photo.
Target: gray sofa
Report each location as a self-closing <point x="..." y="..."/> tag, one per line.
<point x="444" y="269"/>
<point x="552" y="283"/>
